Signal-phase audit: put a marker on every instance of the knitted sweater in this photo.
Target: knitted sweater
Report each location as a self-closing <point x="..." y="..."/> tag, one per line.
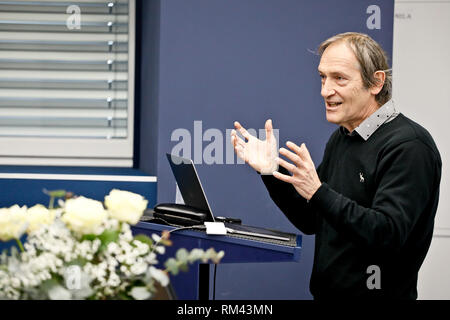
<point x="374" y="211"/>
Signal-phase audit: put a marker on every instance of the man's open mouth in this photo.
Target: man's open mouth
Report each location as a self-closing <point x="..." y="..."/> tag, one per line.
<point x="333" y="104"/>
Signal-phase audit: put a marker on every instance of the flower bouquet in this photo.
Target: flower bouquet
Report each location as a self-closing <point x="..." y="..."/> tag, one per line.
<point x="84" y="249"/>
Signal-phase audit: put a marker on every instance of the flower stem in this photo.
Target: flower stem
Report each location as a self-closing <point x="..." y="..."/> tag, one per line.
<point x="19" y="243"/>
<point x="52" y="201"/>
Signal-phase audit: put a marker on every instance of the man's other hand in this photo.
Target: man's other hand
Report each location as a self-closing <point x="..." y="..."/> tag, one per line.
<point x="304" y="175"/>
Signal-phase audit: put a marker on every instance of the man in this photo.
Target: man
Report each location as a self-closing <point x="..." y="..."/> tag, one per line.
<point x="371" y="203"/>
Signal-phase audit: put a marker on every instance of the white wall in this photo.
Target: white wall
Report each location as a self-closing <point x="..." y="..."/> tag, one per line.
<point x="421" y="84"/>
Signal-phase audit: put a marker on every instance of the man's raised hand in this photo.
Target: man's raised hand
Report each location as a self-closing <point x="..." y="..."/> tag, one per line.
<point x="259" y="154"/>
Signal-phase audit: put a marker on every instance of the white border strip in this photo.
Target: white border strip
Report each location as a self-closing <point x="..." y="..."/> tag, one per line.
<point x="88" y="177"/>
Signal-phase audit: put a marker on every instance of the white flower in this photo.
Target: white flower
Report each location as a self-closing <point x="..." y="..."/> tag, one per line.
<point x="151" y="258"/>
<point x="125" y="206"/>
<point x="140" y="293"/>
<point x="113" y="280"/>
<point x="159" y="275"/>
<point x="59" y="293"/>
<point x="12" y="222"/>
<point x="156" y="237"/>
<point x="15" y="282"/>
<point x="160" y="249"/>
<point x="113" y="248"/>
<point x="78" y="286"/>
<point x="80" y="267"/>
<point x="37" y="216"/>
<point x="139" y="267"/>
<point x="84" y="215"/>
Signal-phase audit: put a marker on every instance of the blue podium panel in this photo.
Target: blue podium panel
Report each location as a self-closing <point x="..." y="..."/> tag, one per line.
<point x="237" y="250"/>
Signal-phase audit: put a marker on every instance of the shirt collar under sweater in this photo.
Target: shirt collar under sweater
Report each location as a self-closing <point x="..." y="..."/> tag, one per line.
<point x="385" y="113"/>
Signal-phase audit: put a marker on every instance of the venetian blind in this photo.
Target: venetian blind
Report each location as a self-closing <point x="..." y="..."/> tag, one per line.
<point x="66" y="82"/>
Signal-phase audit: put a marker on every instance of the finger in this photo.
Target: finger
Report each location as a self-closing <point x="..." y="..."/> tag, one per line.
<point x="283" y="177"/>
<point x="235" y="139"/>
<point x="239" y="143"/>
<point x="269" y="128"/>
<point x="305" y="152"/>
<point x="287" y="165"/>
<point x="241" y="130"/>
<point x="240" y="152"/>
<point x="233" y="142"/>
<point x="294" y="148"/>
<point x="291" y="156"/>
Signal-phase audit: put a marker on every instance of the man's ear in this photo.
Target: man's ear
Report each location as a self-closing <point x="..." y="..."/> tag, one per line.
<point x="379" y="76"/>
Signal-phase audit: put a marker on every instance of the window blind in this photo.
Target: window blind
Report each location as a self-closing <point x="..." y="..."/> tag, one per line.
<point x="66" y="82"/>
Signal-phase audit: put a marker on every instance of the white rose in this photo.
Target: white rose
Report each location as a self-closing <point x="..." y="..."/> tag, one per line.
<point x="12" y="222"/>
<point x="125" y="206"/>
<point x="84" y="215"/>
<point x="37" y="216"/>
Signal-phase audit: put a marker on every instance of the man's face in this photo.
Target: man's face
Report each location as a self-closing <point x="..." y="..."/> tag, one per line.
<point x="347" y="102"/>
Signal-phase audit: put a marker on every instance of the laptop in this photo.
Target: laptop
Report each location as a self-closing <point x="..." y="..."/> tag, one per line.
<point x="194" y="196"/>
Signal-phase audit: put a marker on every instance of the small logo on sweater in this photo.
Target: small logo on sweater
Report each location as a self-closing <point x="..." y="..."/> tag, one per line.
<point x="361" y="177"/>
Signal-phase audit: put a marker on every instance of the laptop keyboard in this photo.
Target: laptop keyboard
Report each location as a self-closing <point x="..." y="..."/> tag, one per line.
<point x="292" y="242"/>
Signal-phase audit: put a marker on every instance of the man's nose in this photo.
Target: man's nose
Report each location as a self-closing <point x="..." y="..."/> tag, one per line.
<point x="327" y="89"/>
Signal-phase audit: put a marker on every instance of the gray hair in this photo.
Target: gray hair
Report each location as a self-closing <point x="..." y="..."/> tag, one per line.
<point x="371" y="58"/>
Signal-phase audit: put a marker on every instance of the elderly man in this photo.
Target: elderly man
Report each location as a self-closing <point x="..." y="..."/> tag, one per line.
<point x="371" y="203"/>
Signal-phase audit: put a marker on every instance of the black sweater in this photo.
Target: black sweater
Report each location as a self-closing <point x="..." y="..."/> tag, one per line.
<point x="376" y="206"/>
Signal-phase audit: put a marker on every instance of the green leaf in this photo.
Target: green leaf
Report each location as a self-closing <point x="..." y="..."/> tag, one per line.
<point x="55" y="193"/>
<point x="89" y="237"/>
<point x="172" y="266"/>
<point x="144" y="239"/>
<point x="182" y="255"/>
<point x="59" y="292"/>
<point x="195" y="254"/>
<point x="48" y="284"/>
<point x="14" y="252"/>
<point x="107" y="237"/>
<point x="184" y="267"/>
<point x="79" y="261"/>
<point x="4" y="257"/>
<point x="219" y="255"/>
<point x="123" y="296"/>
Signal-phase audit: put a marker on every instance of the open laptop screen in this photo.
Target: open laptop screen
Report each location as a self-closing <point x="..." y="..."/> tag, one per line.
<point x="193" y="195"/>
<point x="189" y="184"/>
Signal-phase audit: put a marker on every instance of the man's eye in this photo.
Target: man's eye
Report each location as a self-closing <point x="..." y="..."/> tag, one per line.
<point x="339" y="78"/>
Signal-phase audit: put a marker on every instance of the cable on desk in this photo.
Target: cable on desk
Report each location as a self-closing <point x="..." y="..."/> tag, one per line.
<point x="200" y="226"/>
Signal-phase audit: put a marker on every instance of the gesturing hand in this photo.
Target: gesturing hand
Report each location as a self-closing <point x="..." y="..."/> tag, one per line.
<point x="260" y="155"/>
<point x="304" y="176"/>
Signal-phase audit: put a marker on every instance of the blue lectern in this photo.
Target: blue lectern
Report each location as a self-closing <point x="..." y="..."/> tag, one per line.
<point x="195" y="284"/>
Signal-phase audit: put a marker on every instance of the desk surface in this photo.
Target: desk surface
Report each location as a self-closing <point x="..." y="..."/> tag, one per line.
<point x="237" y="250"/>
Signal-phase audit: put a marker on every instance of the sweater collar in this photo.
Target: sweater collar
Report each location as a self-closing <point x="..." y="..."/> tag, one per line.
<point x="385" y="113"/>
